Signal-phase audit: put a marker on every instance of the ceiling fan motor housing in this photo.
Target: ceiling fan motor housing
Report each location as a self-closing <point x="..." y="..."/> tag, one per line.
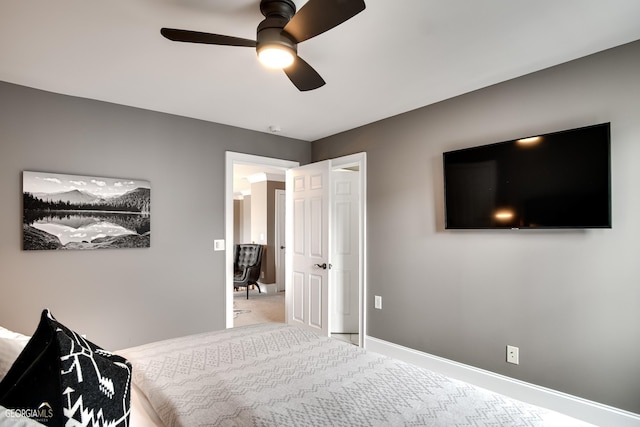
<point x="277" y="14"/>
<point x="284" y="8"/>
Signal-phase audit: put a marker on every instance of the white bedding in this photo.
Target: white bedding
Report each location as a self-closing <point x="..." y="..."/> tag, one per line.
<point x="142" y="413"/>
<point x="11" y="344"/>
<point x="279" y="375"/>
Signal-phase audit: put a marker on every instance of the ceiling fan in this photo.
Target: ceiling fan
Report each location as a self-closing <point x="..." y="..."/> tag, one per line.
<point x="280" y="32"/>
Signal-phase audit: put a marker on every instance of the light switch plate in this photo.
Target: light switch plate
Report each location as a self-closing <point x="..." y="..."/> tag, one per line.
<point x="377" y="302"/>
<point x="218" y="245"/>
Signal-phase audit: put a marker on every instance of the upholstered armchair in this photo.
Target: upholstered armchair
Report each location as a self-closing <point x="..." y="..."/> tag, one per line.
<point x="246" y="266"/>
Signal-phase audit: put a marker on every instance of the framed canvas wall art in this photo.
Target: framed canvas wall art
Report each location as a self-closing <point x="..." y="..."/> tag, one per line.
<point x="84" y="212"/>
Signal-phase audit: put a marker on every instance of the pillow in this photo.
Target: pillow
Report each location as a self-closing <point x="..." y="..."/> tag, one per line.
<point x="62" y="378"/>
<point x="11" y="344"/>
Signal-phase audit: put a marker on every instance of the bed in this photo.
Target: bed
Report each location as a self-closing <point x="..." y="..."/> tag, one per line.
<point x="280" y="375"/>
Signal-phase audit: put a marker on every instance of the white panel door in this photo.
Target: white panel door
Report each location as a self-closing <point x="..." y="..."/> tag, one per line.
<point x="308" y="263"/>
<point x="345" y="252"/>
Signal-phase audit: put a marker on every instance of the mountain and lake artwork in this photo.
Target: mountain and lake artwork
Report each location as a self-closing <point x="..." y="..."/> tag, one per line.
<point x="83" y="212"/>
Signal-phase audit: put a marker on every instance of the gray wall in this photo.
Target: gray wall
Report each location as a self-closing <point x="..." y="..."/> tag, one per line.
<point x="121" y="297"/>
<point x="263" y="221"/>
<point x="569" y="299"/>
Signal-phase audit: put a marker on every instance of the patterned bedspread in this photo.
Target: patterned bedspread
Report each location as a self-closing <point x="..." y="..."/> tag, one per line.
<point x="279" y="375"/>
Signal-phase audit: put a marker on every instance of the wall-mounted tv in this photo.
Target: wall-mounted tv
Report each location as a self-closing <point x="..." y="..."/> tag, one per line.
<point x="556" y="180"/>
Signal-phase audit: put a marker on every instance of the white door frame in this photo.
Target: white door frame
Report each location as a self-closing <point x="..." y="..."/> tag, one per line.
<point x="232" y="158"/>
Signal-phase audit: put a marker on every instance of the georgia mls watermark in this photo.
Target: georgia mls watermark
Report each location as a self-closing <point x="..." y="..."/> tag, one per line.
<point x="41" y="415"/>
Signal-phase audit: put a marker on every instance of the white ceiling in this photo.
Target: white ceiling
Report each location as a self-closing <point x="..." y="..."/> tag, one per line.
<point x="394" y="57"/>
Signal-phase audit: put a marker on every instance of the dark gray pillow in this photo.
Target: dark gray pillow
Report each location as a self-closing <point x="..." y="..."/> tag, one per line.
<point x="61" y="376"/>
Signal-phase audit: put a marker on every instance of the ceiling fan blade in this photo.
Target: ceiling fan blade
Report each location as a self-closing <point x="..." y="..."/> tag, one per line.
<point x="318" y="16"/>
<point x="303" y="76"/>
<point x="205" y="38"/>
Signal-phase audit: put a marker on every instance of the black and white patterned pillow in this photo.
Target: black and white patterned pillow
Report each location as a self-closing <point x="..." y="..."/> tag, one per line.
<point x="61" y="378"/>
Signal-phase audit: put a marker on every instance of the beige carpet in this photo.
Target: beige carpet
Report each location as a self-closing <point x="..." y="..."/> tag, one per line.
<point x="259" y="308"/>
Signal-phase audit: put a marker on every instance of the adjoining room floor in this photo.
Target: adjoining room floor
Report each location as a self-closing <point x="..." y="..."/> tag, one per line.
<point x="259" y="308"/>
<point x="267" y="307"/>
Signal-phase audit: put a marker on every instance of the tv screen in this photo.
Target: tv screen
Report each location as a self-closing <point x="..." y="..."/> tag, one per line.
<point x="557" y="180"/>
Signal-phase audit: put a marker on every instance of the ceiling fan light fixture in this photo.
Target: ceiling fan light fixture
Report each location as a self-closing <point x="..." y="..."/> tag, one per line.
<point x="276" y="56"/>
<point x="280" y="32"/>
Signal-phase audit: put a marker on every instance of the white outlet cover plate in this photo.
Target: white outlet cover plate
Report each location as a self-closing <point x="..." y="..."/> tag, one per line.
<point x="513" y="354"/>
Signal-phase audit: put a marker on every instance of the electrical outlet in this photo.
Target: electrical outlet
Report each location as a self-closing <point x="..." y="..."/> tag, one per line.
<point x="513" y="355"/>
<point x="378" y="302"/>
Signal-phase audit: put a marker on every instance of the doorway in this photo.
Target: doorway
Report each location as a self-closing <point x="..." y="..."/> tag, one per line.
<point x="349" y="165"/>
<point x="250" y="165"/>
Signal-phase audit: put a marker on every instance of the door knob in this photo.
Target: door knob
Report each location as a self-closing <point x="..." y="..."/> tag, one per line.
<point x="322" y="266"/>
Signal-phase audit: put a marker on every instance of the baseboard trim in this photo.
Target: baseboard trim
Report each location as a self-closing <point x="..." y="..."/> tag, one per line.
<point x="577" y="407"/>
<point x="269" y="288"/>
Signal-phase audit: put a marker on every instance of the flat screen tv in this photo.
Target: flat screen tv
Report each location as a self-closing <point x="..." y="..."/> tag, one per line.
<point x="557" y="180"/>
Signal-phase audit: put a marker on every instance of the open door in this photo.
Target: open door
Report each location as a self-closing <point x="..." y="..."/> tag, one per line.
<point x="308" y="263"/>
<point x="325" y="249"/>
